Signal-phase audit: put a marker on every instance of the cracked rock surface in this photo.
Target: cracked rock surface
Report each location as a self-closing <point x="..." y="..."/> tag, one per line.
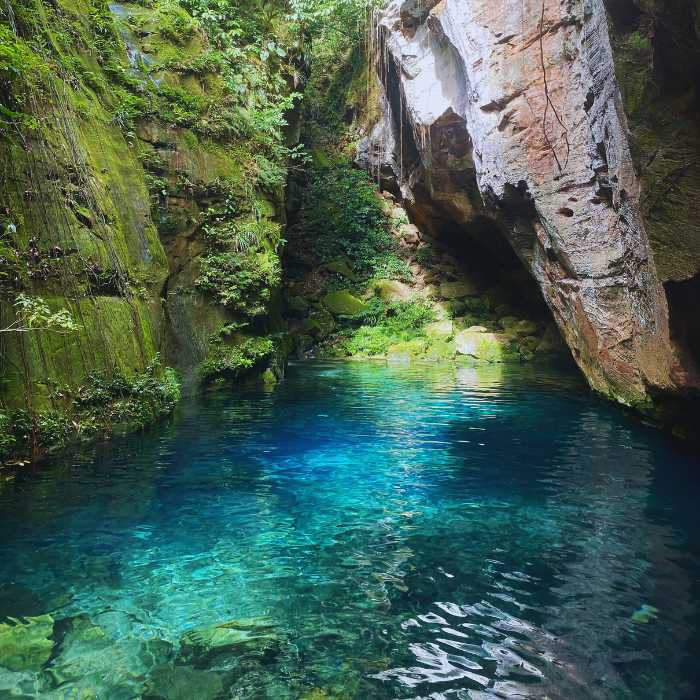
<point x="511" y="113"/>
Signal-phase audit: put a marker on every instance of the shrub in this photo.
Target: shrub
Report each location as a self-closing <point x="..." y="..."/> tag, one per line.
<point x="234" y="361"/>
<point x="242" y="282"/>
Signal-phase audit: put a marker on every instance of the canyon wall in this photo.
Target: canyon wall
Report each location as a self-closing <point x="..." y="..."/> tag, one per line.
<point x="142" y="194"/>
<point x="504" y="121"/>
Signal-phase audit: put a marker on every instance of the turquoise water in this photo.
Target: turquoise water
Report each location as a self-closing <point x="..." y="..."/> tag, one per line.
<point x="362" y="531"/>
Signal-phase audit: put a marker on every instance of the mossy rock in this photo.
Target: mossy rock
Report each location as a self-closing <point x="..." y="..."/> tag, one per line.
<point x="342" y="267"/>
<point x="517" y="328"/>
<point x="26" y="645"/>
<point x="407" y="350"/>
<point x="440" y="330"/>
<point x="486" y="347"/>
<point x="458" y="289"/>
<point x="343" y="303"/>
<point x="391" y="290"/>
<point x="441" y="349"/>
<point x="319" y="324"/>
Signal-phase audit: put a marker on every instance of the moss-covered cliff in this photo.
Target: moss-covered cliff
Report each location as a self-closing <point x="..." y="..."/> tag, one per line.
<point x="144" y="157"/>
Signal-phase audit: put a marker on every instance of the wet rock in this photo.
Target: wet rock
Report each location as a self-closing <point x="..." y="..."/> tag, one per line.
<point x="343" y="303"/>
<point x="255" y="637"/>
<point x="477" y="329"/>
<point x="26" y="643"/>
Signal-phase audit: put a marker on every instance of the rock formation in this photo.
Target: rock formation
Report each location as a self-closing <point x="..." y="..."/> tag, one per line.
<point x="505" y="119"/>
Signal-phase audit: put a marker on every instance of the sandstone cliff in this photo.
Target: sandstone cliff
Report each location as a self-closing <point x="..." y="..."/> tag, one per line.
<point x="505" y="121"/>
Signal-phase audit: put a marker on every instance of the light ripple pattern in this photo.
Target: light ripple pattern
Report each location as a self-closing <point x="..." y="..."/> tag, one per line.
<point x="362" y="531"/>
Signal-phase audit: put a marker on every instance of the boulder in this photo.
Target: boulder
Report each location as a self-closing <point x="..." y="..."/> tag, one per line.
<point x="440" y="329"/>
<point x="26" y="644"/>
<point x="458" y="289"/>
<point x="407" y="349"/>
<point x="410" y="233"/>
<point x="391" y="290"/>
<point x="342" y="267"/>
<point x="343" y="303"/>
<point x="486" y="347"/>
<point x="319" y="324"/>
<point x="520" y="329"/>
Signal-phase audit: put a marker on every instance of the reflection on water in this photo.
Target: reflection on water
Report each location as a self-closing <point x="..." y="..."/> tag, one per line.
<point x="362" y="532"/>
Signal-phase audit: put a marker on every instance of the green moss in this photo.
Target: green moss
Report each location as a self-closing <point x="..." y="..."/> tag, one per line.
<point x="233" y="361"/>
<point x="343" y="303"/>
<point x="101" y="403"/>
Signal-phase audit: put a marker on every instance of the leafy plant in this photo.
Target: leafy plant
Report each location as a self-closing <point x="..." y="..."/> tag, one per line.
<point x="34" y="314"/>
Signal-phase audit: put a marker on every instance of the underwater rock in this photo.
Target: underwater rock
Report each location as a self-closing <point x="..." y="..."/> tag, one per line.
<point x="182" y="683"/>
<point x="343" y="303"/>
<point x="88" y="661"/>
<point x="26" y="644"/>
<point x="256" y="636"/>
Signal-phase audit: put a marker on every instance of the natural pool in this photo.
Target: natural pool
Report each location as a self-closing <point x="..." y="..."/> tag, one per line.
<point x="361" y="531"/>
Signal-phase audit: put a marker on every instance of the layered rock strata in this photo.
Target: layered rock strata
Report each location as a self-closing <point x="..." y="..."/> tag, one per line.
<point x="505" y="119"/>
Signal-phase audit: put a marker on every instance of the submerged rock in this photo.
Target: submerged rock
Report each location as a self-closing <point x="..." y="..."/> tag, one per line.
<point x="257" y="637"/>
<point x="26" y="644"/>
<point x="182" y="683"/>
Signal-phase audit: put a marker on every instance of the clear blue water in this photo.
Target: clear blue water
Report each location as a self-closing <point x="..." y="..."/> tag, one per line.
<point x="380" y="532"/>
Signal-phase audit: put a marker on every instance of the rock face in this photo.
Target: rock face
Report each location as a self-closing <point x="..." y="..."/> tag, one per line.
<point x="506" y="121"/>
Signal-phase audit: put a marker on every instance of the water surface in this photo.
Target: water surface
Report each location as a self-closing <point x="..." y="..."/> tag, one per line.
<point x="364" y="532"/>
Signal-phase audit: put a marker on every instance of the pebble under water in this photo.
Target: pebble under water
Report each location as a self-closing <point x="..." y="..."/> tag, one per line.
<point x="361" y="531"/>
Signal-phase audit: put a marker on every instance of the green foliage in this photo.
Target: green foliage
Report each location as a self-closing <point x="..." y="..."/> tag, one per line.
<point x="342" y="216"/>
<point x="386" y="324"/>
<point x="99" y="404"/>
<point x="242" y="282"/>
<point x="232" y="361"/>
<point x="34" y="314"/>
